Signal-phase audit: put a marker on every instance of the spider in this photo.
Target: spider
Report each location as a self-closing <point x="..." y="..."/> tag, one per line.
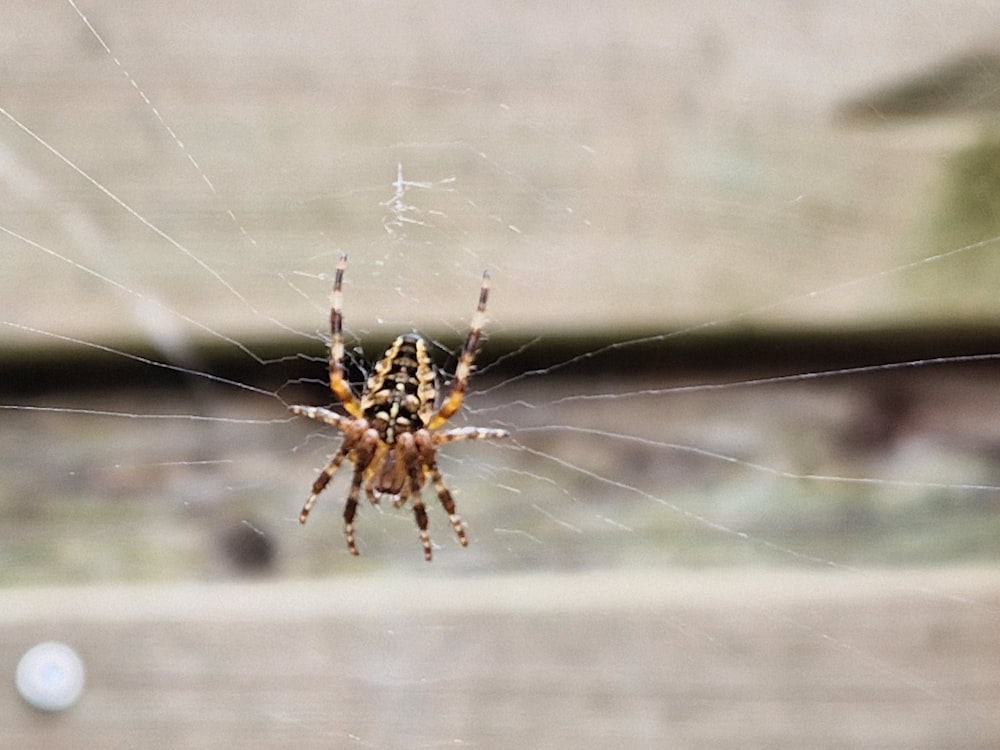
<point x="392" y="432"/>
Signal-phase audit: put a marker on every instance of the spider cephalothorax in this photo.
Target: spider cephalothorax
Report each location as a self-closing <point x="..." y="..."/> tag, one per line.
<point x="392" y="432"/>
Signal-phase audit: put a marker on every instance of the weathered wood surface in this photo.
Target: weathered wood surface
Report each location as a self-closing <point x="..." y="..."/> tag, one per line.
<point x="683" y="159"/>
<point x="627" y="650"/>
<point x="690" y="165"/>
<point x="648" y="658"/>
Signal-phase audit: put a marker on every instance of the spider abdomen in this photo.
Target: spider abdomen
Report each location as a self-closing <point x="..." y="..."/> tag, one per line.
<point x="400" y="394"/>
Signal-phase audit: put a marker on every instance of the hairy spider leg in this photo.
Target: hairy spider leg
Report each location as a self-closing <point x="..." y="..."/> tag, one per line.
<point x="321" y="482"/>
<point x="338" y="382"/>
<point x="429" y="458"/>
<point x="351" y="507"/>
<point x="464" y="369"/>
<point x="447" y="502"/>
<point x="409" y="455"/>
<point x="469" y="433"/>
<point x="359" y="443"/>
<point x="332" y="418"/>
<point x="364" y="447"/>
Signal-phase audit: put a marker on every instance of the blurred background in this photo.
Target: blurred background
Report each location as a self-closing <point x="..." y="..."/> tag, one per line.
<point x="742" y="328"/>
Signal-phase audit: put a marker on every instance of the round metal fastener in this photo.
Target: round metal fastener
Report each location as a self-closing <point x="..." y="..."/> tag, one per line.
<point x="50" y="676"/>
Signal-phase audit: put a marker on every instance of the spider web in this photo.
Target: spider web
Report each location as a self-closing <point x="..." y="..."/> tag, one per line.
<point x="640" y="190"/>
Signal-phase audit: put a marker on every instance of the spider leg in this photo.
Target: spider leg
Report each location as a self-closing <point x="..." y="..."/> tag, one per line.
<point x="360" y="442"/>
<point x="411" y="491"/>
<point x="320" y="415"/>
<point x="408" y="447"/>
<point x="354" y="432"/>
<point x="469" y="433"/>
<point x="426" y="444"/>
<point x="338" y="382"/>
<point x="364" y="453"/>
<point x="464" y="369"/>
<point x="322" y="481"/>
<point x="444" y="495"/>
<point x="420" y="513"/>
<point x="351" y="507"/>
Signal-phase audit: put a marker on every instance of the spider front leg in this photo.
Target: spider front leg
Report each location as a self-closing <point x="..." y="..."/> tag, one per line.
<point x="465" y="361"/>
<point x="338" y="382"/>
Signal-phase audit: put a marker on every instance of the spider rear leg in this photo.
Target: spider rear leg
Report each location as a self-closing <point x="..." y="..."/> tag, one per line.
<point x="444" y="495"/>
<point x="350" y="508"/>
<point x="321" y="482"/>
<point x="408" y="446"/>
<point x="426" y="451"/>
<point x="362" y="456"/>
<point x="420" y="513"/>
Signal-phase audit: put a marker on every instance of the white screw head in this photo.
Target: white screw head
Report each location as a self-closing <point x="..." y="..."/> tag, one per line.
<point x="50" y="676"/>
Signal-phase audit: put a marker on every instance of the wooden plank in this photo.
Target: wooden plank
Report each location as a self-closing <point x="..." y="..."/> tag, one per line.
<point x="690" y="164"/>
<point x="762" y="658"/>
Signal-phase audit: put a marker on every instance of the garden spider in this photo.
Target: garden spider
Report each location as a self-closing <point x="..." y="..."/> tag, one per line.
<point x="392" y="432"/>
